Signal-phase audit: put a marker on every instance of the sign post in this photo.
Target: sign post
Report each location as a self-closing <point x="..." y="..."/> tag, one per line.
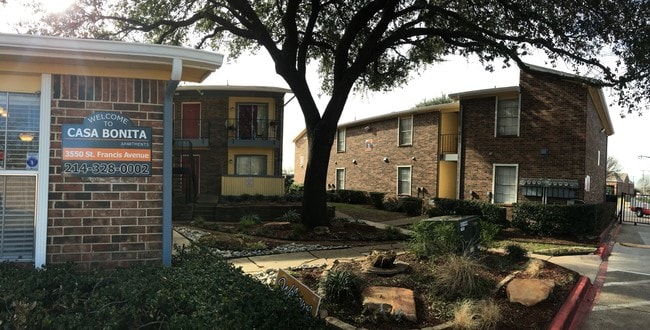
<point x="106" y="144"/>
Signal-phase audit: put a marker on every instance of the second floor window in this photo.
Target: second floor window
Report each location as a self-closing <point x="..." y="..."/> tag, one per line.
<point x="252" y="121"/>
<point x="340" y="140"/>
<point x="507" y="117"/>
<point x="250" y="165"/>
<point x="405" y="127"/>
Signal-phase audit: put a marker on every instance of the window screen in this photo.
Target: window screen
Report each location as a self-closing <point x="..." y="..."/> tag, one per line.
<point x="17" y="214"/>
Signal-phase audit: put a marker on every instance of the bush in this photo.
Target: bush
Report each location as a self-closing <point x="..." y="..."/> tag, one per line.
<point x="515" y="252"/>
<point x="411" y="205"/>
<point x="435" y="239"/>
<point x="352" y="196"/>
<point x="249" y="220"/>
<point x="489" y="212"/>
<point x="377" y="199"/>
<point x="489" y="232"/>
<point x="556" y="220"/>
<point x="341" y="287"/>
<point x="200" y="291"/>
<point x="458" y="277"/>
<point x="291" y="216"/>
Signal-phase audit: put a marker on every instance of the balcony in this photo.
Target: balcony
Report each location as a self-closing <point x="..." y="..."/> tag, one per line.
<point x="196" y="131"/>
<point x="233" y="185"/>
<point x="448" y="147"/>
<point x="253" y="133"/>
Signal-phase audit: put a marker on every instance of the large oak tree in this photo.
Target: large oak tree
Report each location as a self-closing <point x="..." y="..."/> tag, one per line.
<point x="376" y="44"/>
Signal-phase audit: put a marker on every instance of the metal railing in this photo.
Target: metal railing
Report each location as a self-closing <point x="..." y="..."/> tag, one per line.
<point x="252" y="129"/>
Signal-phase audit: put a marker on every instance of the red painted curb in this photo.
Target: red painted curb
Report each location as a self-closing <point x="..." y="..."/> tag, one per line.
<point x="564" y="316"/>
<point x="584" y="294"/>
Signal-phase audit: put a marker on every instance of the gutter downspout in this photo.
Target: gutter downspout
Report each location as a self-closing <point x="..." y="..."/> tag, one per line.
<point x="168" y="141"/>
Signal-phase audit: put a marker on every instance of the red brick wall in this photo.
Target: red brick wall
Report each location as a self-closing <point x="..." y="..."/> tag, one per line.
<point x="553" y="116"/>
<point x="105" y="221"/>
<point x="371" y="173"/>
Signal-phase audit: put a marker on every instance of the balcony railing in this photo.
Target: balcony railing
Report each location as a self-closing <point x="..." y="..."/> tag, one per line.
<point x="448" y="144"/>
<point x="252" y="129"/>
<point x="232" y="185"/>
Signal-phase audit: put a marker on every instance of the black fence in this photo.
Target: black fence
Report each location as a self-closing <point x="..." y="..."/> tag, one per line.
<point x="634" y="208"/>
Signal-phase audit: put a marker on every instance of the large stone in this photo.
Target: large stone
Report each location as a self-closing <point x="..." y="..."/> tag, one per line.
<point x="529" y="292"/>
<point x="381" y="259"/>
<point x="391" y="301"/>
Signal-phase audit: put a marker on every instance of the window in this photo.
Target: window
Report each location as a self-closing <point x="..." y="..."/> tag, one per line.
<point x="404" y="180"/>
<point x="507" y="117"/>
<point x="405" y="130"/>
<point x="252" y="121"/>
<point x="19" y="127"/>
<point x="250" y="165"/>
<point x="340" y="140"/>
<point x="505" y="183"/>
<point x="340" y="178"/>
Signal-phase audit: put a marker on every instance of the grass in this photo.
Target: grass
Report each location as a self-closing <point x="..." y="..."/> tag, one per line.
<point x="548" y="248"/>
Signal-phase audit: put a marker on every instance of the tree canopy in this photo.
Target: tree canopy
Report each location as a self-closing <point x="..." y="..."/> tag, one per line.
<point x="375" y="45"/>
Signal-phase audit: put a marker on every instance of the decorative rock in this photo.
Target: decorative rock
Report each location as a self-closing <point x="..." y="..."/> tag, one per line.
<point x="382" y="259"/>
<point x="396" y="302"/>
<point x="529" y="292"/>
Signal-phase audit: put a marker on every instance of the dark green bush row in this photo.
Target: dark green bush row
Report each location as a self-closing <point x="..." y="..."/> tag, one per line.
<point x="489" y="212"/>
<point x="347" y="196"/>
<point x="553" y="220"/>
<point x="200" y="291"/>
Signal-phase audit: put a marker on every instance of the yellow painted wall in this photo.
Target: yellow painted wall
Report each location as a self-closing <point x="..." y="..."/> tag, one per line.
<point x="449" y="123"/>
<point x="232" y="152"/>
<point x="252" y="185"/>
<point x="447" y="179"/>
<point x="20" y="83"/>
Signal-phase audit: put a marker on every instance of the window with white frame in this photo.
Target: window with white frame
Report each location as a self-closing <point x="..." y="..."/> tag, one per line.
<point x="405" y="130"/>
<point x="505" y="183"/>
<point x="340" y="140"/>
<point x="404" y="180"/>
<point x="250" y="165"/>
<point x="340" y="178"/>
<point x="507" y="117"/>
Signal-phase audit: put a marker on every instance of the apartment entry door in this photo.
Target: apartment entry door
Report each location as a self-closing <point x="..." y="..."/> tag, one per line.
<point x="19" y="135"/>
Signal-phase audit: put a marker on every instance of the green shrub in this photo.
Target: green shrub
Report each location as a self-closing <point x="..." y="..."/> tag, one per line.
<point x="554" y="220"/>
<point x="515" y="252"/>
<point x="391" y="204"/>
<point x="200" y="291"/>
<point x="352" y="196"/>
<point x="435" y="239"/>
<point x="411" y="205"/>
<point x="489" y="232"/>
<point x="291" y="216"/>
<point x="249" y="220"/>
<point x="377" y="199"/>
<point x="341" y="287"/>
<point x="489" y="212"/>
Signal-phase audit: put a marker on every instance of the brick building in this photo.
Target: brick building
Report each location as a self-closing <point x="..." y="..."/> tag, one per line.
<point x="228" y="140"/>
<point x="85" y="169"/>
<point x="544" y="140"/>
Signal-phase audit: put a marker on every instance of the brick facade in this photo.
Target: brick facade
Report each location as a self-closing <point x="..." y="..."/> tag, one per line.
<point x="371" y="172"/>
<point x="300" y="158"/>
<point x="559" y="139"/>
<point x="105" y="221"/>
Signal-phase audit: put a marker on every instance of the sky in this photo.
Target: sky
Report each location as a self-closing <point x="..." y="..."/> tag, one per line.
<point x="456" y="74"/>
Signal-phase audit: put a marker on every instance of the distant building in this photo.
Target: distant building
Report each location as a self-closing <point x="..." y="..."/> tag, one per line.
<point x="619" y="183"/>
<point x="544" y="140"/>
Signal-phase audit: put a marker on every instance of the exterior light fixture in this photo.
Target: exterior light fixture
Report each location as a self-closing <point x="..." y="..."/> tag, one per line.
<point x="26" y="137"/>
<point x="354" y="161"/>
<point x="386" y="160"/>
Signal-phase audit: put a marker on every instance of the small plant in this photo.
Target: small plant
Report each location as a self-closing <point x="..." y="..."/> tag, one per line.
<point x="392" y="233"/>
<point x="259" y="245"/>
<point x="298" y="228"/>
<point x="534" y="267"/>
<point x="249" y="220"/>
<point x="435" y="239"/>
<point x="458" y="276"/>
<point x="515" y="252"/>
<point x="482" y="314"/>
<point x="341" y="287"/>
<point x="291" y="216"/>
<point x="198" y="221"/>
<point x="489" y="232"/>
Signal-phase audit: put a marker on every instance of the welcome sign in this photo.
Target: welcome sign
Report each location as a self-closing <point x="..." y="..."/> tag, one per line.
<point x="106" y="144"/>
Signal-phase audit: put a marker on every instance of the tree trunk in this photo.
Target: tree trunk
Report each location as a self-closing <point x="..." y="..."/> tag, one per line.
<point x="314" y="203"/>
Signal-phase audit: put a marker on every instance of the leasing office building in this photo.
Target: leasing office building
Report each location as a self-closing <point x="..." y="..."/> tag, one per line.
<point x="85" y="169"/>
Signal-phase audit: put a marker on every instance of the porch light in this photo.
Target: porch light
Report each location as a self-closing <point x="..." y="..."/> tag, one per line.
<point x="26" y="137"/>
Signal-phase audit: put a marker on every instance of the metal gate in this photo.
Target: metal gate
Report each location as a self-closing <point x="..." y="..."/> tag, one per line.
<point x="634" y="208"/>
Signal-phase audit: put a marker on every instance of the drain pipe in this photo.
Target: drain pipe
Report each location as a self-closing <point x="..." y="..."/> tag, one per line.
<point x="168" y="116"/>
